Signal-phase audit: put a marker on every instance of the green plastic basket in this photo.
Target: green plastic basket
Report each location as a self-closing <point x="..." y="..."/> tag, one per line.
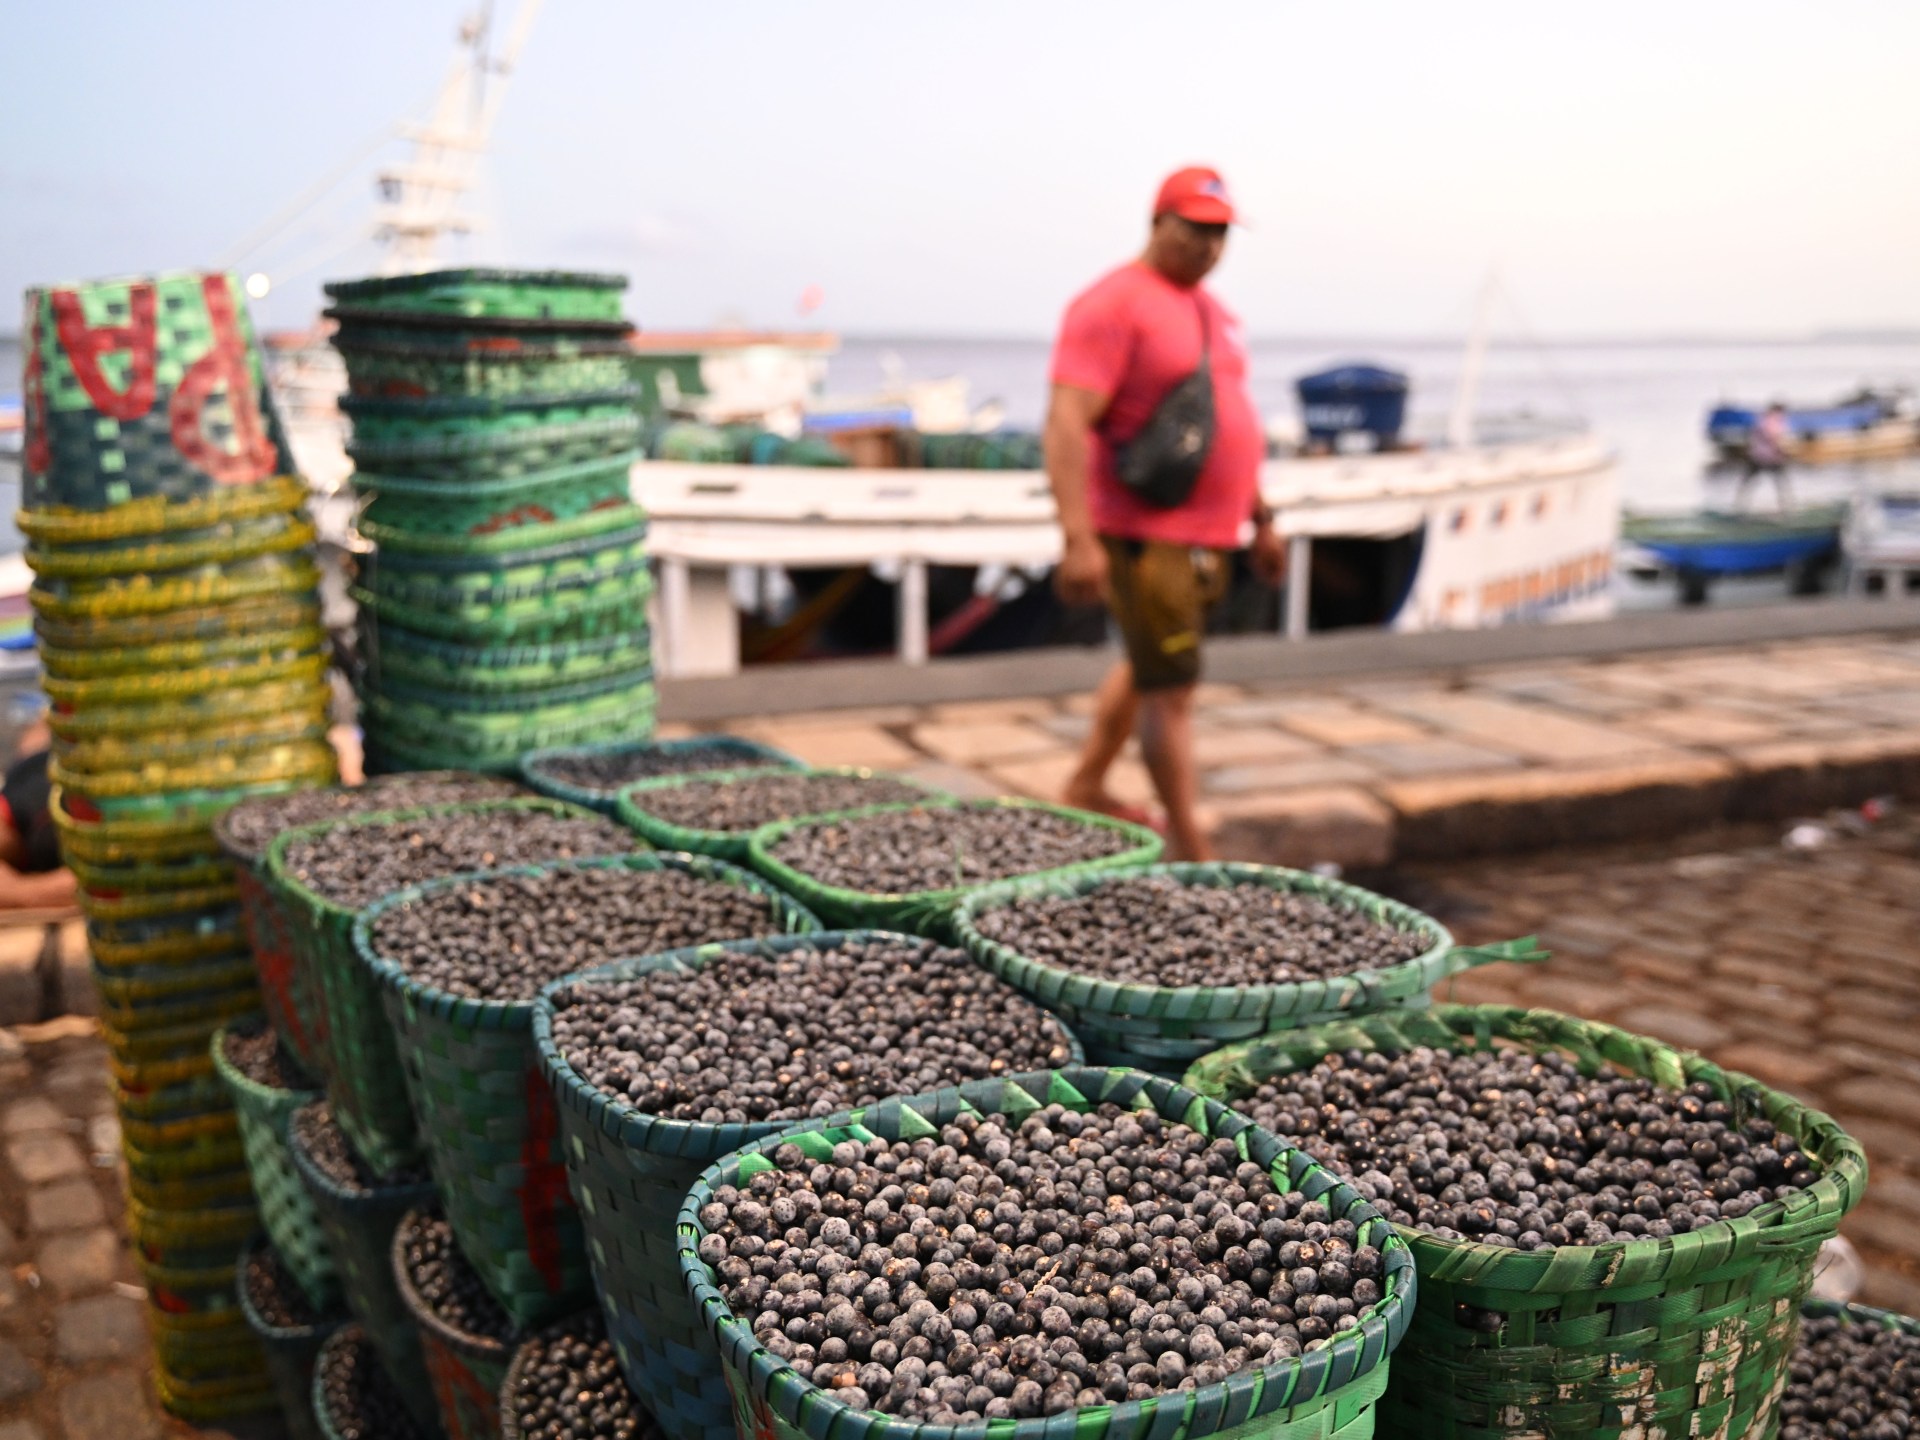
<point x="244" y="618"/>
<point x="286" y="1209"/>
<point x="505" y="711"/>
<point x="290" y="1351"/>
<point x="926" y="912"/>
<point x="215" y="713"/>
<point x="463" y="580"/>
<point x="90" y="762"/>
<point x="1689" y="1335"/>
<point x="429" y="514"/>
<point x="1165" y="1029"/>
<point x="399" y="370"/>
<point x="486" y="1113"/>
<point x="1331" y="1391"/>
<point x="359" y="1225"/>
<point x="495" y="293"/>
<point x="440" y="737"/>
<point x="541" y="768"/>
<point x="615" y="604"/>
<point x="420" y="662"/>
<point x="496" y="455"/>
<point x="464" y="1370"/>
<point x="128" y="993"/>
<point x="368" y="1103"/>
<point x="162" y="792"/>
<point x="665" y="834"/>
<point x="629" y="1171"/>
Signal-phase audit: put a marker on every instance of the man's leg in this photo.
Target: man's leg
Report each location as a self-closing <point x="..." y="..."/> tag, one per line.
<point x="1166" y="744"/>
<point x="1115" y="706"/>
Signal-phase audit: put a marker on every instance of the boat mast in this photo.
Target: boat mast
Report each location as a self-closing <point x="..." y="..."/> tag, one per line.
<point x="420" y="199"/>
<point x="1460" y="423"/>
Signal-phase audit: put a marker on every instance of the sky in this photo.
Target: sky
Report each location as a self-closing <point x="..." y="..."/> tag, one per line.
<point x="1682" y="168"/>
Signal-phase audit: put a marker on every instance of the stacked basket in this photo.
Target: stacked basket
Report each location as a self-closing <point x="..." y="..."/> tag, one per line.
<point x="174" y="601"/>
<point x="504" y="607"/>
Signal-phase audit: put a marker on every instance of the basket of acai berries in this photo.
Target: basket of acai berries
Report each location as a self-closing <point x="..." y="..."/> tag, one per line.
<point x="1613" y="1236"/>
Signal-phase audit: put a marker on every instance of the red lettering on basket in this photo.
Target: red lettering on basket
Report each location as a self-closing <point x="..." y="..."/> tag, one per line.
<point x="528" y="514"/>
<point x="33" y="387"/>
<point x="543" y="1187"/>
<point x="85" y="345"/>
<point x="276" y="977"/>
<point x="226" y="363"/>
<point x="458" y="1392"/>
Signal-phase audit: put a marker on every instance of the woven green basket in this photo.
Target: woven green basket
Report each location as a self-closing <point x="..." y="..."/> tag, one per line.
<point x="368" y="1103"/>
<point x="1684" y="1336"/>
<point x="98" y="764"/>
<point x="129" y="990"/>
<point x="1164" y="1029"/>
<point x="664" y="834"/>
<point x="490" y="510"/>
<point x="359" y="1225"/>
<point x="629" y="1171"/>
<point x="492" y="455"/>
<point x="420" y="662"/>
<point x="393" y="370"/>
<point x="197" y="872"/>
<point x="505" y="532"/>
<point x="520" y="575"/>
<point x="286" y="1209"/>
<point x="485" y="1111"/>
<point x="926" y="912"/>
<point x="614" y="605"/>
<point x="290" y="1351"/>
<point x="495" y="743"/>
<point x="464" y="1370"/>
<point x="504" y="710"/>
<point x="499" y="294"/>
<point x="1329" y="1392"/>
<point x="540" y="768"/>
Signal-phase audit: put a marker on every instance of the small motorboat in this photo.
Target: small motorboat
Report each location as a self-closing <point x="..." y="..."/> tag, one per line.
<point x="1705" y="544"/>
<point x="1865" y="424"/>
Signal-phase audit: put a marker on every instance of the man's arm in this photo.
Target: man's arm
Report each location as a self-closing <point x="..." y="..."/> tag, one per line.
<point x="46" y="891"/>
<point x="1081" y="578"/>
<point x="1269" y="545"/>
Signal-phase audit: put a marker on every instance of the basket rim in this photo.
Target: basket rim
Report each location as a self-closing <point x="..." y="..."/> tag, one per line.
<point x="614" y="1116"/>
<point x="480" y="1347"/>
<point x="330" y="1192"/>
<point x="1293" y="1380"/>
<point x="319" y="905"/>
<point x="762" y="841"/>
<point x="475" y="275"/>
<point x="492" y="568"/>
<point x="533" y="760"/>
<point x="630" y="814"/>
<point x="1851" y="1313"/>
<point x="1136" y="998"/>
<point x="517" y="1015"/>
<point x="1813" y="1211"/>
<point x="280" y="1334"/>
<point x="416" y="487"/>
<point x="562" y="1328"/>
<point x="267" y="1097"/>
<point x="155" y="514"/>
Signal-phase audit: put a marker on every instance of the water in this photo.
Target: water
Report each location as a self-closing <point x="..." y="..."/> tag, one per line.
<point x="1646" y="399"/>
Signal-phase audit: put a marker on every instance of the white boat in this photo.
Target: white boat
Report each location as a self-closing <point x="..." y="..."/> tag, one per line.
<point x="1484" y="534"/>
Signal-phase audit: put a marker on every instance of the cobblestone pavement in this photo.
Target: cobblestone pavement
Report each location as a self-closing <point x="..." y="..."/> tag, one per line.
<point x="73" y="1335"/>
<point x="1802" y="969"/>
<point x="1428" y="765"/>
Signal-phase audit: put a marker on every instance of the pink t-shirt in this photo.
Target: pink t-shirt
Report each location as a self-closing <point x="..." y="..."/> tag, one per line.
<point x="1132" y="336"/>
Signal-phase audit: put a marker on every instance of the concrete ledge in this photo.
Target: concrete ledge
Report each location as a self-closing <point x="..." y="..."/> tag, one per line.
<point x="1537" y="809"/>
<point x="1269" y="660"/>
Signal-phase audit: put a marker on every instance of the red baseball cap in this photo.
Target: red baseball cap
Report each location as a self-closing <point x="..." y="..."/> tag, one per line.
<point x="1197" y="194"/>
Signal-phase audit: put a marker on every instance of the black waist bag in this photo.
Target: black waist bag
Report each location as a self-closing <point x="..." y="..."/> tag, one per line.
<point x="1162" y="462"/>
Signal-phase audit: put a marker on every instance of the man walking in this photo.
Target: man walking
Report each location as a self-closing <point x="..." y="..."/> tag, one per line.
<point x="1133" y="350"/>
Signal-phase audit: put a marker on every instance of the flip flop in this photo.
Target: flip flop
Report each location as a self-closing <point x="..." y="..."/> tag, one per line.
<point x="1135" y="815"/>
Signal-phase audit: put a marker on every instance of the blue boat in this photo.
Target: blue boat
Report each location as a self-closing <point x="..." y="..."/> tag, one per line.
<point x="1707" y="544"/>
<point x="1866" y="423"/>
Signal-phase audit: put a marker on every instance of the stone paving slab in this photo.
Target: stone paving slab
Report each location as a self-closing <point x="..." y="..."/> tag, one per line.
<point x="75" y="1356"/>
<point x="1475" y="761"/>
